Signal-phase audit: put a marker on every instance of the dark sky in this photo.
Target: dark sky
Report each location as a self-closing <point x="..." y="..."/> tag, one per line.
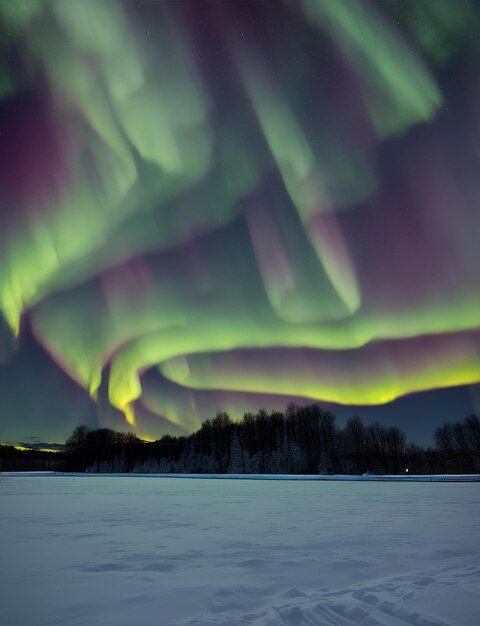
<point x="229" y="205"/>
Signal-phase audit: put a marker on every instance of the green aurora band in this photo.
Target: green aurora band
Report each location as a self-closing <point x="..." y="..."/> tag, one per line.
<point x="282" y="199"/>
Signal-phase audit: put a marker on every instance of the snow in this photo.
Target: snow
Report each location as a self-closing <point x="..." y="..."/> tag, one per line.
<point x="90" y="550"/>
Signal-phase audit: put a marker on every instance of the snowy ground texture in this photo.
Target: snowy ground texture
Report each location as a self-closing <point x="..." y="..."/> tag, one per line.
<point x="134" y="551"/>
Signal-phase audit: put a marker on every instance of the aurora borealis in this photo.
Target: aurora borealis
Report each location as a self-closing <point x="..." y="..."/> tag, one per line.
<point x="229" y="205"/>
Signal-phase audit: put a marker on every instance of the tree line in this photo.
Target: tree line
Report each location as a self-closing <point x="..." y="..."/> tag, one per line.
<point x="15" y="460"/>
<point x="302" y="440"/>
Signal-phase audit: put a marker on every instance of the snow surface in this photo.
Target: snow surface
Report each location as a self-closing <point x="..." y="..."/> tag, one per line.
<point x="134" y="552"/>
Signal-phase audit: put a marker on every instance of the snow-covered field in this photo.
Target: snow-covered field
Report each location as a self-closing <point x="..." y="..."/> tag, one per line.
<point x="142" y="552"/>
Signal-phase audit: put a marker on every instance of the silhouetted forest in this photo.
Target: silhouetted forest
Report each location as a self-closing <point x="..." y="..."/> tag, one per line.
<point x="14" y="460"/>
<point x="303" y="440"/>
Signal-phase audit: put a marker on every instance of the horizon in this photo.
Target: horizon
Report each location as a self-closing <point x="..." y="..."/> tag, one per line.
<point x="34" y="443"/>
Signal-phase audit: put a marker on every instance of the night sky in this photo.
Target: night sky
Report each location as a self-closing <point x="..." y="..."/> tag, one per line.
<point x="232" y="205"/>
